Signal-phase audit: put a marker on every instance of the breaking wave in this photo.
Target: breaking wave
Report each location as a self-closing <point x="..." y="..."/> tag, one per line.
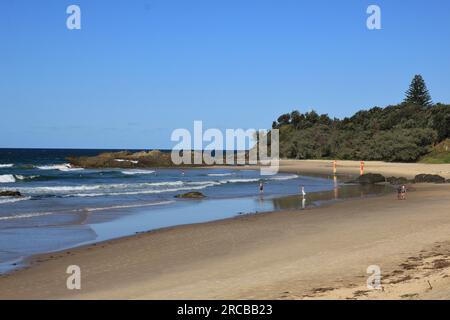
<point x="129" y="193"/>
<point x="135" y="172"/>
<point x="21" y="177"/>
<point x="120" y="189"/>
<point x="125" y="160"/>
<point x="241" y="180"/>
<point x="7" y="178"/>
<point x="40" y="214"/>
<point x="289" y="177"/>
<point x="26" y="215"/>
<point x="12" y="200"/>
<point x="10" y="178"/>
<point x="61" y="167"/>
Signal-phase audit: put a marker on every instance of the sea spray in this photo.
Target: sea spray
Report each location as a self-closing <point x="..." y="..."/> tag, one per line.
<point x="7" y="178"/>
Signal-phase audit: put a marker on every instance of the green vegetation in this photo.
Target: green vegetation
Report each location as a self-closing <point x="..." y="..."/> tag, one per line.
<point x="405" y="132"/>
<point x="418" y="92"/>
<point x="440" y="153"/>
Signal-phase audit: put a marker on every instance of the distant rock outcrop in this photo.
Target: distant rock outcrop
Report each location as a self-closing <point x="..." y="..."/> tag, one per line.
<point x="144" y="159"/>
<point x="191" y="195"/>
<point x="125" y="159"/>
<point x="370" y="178"/>
<point x="429" y="178"/>
<point x="10" y="194"/>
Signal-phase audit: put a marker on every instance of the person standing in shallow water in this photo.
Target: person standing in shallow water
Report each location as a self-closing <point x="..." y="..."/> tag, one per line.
<point x="261" y="187"/>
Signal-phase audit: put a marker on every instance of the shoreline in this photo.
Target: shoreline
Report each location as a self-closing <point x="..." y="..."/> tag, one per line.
<point x="39" y="263"/>
<point x="39" y="260"/>
<point x="35" y="259"/>
<point x="51" y="267"/>
<point x="315" y="200"/>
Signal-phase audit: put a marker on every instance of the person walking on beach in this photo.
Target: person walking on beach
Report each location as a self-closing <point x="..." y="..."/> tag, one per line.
<point x="403" y="192"/>
<point x="303" y="191"/>
<point x="261" y="187"/>
<point x="399" y="193"/>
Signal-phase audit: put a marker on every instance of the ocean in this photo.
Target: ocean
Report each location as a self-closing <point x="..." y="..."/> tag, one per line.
<point x="64" y="207"/>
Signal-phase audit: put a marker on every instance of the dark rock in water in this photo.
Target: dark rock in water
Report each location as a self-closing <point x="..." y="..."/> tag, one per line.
<point x="191" y="195"/>
<point x="370" y="178"/>
<point x="10" y="194"/>
<point x="398" y="181"/>
<point x="429" y="178"/>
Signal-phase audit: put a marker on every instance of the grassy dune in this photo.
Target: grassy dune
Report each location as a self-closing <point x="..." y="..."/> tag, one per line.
<point x="440" y="154"/>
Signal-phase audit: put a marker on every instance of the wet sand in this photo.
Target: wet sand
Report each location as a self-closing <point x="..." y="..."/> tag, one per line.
<point x="284" y="255"/>
<point x="315" y="253"/>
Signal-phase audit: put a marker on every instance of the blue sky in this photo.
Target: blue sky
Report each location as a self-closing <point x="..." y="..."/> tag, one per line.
<point x="139" y="69"/>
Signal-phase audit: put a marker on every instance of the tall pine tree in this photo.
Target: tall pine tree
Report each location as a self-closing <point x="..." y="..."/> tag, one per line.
<point x="418" y="92"/>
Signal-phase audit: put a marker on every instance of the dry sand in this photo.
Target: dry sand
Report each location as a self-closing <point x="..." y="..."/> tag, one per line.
<point x="407" y="170"/>
<point x="316" y="253"/>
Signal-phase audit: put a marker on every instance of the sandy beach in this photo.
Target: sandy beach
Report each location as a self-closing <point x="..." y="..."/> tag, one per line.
<point x="349" y="167"/>
<point x="319" y="253"/>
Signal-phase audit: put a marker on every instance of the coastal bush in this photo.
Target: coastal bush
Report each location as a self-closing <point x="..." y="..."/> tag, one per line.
<point x="405" y="132"/>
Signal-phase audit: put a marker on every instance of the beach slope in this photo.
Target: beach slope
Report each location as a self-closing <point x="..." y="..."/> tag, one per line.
<point x="316" y="253"/>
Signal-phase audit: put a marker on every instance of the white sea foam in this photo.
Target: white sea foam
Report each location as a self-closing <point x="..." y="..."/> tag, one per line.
<point x="8" y="165"/>
<point x="161" y="184"/>
<point x="60" y="167"/>
<point x="220" y="174"/>
<point x="12" y="200"/>
<point x="70" y="169"/>
<point x="54" y="166"/>
<point x="26" y="215"/>
<point x="205" y="183"/>
<point x="138" y="192"/>
<point x="97" y="190"/>
<point x="241" y="180"/>
<point x="288" y="177"/>
<point x="136" y="189"/>
<point x="21" y="177"/>
<point x="61" y="189"/>
<point x="7" y="178"/>
<point x="77" y="188"/>
<point x="134" y="172"/>
<point x="125" y="160"/>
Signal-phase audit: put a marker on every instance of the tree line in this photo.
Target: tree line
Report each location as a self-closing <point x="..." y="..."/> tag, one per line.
<point x="403" y="132"/>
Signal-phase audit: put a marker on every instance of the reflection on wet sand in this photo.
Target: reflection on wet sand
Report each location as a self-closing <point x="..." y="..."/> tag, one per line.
<point x="335" y="188"/>
<point x="338" y="193"/>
